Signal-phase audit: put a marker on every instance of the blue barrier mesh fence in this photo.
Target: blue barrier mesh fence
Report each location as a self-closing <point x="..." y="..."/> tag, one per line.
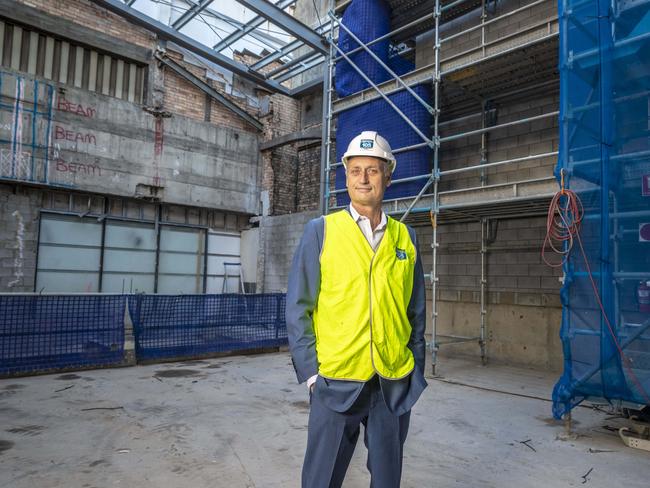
<point x="43" y="332"/>
<point x="605" y="152"/>
<point x="369" y="20"/>
<point x="192" y="325"/>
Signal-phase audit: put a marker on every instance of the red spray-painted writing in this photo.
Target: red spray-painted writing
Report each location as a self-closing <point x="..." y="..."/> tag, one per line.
<point x="72" y="136"/>
<point x="85" y="169"/>
<point x="76" y="108"/>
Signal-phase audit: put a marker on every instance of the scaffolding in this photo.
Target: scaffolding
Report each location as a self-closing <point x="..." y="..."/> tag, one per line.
<point x="512" y="59"/>
<point x="478" y="76"/>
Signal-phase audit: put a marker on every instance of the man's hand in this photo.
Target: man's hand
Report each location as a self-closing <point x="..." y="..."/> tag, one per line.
<point x="311" y="382"/>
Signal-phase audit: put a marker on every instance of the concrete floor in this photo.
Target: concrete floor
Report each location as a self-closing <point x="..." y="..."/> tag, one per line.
<point x="241" y="422"/>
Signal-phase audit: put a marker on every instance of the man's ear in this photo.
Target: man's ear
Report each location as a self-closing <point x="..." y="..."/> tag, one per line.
<point x="389" y="180"/>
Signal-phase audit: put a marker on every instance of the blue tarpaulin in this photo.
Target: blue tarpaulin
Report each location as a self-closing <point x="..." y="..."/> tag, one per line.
<point x="369" y="20"/>
<point x="605" y="154"/>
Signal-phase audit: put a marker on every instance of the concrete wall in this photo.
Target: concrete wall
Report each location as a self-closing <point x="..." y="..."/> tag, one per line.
<point x="180" y="147"/>
<point x="279" y="237"/>
<point x="306" y="12"/>
<point x="18" y="238"/>
<point x="193" y="163"/>
<point x="102" y="144"/>
<point x="178" y="157"/>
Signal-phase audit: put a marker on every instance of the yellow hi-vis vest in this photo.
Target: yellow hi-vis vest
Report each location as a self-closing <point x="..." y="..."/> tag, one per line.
<point x="360" y="320"/>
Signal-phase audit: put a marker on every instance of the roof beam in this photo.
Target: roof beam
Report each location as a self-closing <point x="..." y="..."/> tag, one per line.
<point x="310" y="134"/>
<point x="190" y="13"/>
<point x="202" y="85"/>
<point x="165" y="32"/>
<point x="263" y="37"/>
<point x="286" y="22"/>
<point x="318" y="59"/>
<point x="297" y="60"/>
<point x="289" y="48"/>
<point x="247" y="28"/>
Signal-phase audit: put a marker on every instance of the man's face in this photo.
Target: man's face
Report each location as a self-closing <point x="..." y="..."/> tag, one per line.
<point x="366" y="179"/>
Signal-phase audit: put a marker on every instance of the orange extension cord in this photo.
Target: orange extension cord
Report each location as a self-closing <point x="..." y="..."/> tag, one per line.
<point x="565" y="215"/>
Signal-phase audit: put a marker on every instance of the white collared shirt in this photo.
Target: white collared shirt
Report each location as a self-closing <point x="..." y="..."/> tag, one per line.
<point x="372" y="236"/>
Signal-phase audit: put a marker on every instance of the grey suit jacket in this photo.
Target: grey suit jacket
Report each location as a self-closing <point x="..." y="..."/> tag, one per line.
<point x="302" y="297"/>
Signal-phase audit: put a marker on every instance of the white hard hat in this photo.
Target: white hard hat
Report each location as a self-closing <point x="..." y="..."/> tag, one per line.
<point x="369" y="143"/>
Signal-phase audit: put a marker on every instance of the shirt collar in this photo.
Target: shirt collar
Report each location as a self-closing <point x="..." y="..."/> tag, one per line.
<point x="357" y="216"/>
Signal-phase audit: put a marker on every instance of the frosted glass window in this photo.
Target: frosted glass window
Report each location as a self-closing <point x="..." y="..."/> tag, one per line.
<point x="129" y="257"/>
<point x="181" y="260"/>
<point x="223" y="248"/>
<point x="69" y="253"/>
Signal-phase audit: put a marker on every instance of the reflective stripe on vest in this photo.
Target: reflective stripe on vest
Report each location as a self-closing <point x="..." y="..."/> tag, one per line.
<point x="360" y="320"/>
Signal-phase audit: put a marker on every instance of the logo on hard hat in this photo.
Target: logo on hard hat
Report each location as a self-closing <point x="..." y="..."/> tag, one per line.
<point x="366" y="144"/>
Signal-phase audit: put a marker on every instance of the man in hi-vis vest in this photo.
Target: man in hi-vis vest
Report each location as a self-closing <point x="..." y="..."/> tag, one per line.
<point x="356" y="318"/>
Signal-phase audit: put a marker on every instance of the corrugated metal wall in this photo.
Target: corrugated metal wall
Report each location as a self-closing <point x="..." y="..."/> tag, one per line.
<point x="58" y="60"/>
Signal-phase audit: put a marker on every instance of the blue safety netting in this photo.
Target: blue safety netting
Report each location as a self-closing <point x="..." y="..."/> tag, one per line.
<point x="43" y="332"/>
<point x="379" y="116"/>
<point x="605" y="153"/>
<point x="369" y="20"/>
<point x="192" y="325"/>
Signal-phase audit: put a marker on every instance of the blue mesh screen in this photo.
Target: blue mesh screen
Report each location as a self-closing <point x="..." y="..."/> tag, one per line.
<point x="379" y="116"/>
<point x="368" y="20"/>
<point x="605" y="151"/>
<point x="45" y="332"/>
<point x="191" y="325"/>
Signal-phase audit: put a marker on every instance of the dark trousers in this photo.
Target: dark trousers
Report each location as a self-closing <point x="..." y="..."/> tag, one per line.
<point x="332" y="437"/>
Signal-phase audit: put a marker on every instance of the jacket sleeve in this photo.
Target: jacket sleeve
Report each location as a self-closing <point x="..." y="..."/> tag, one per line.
<point x="302" y="296"/>
<point x="417" y="310"/>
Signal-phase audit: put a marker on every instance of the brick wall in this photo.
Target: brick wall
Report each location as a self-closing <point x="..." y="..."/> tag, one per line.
<point x="281" y="174"/>
<point x="180" y="96"/>
<point x="92" y="16"/>
<point x="308" y="190"/>
<point x="183" y="98"/>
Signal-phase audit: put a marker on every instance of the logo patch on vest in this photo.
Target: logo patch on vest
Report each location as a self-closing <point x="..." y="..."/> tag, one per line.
<point x="366" y="144"/>
<point x="400" y="253"/>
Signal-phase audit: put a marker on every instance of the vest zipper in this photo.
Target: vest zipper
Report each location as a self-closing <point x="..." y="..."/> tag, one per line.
<point x="372" y="359"/>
